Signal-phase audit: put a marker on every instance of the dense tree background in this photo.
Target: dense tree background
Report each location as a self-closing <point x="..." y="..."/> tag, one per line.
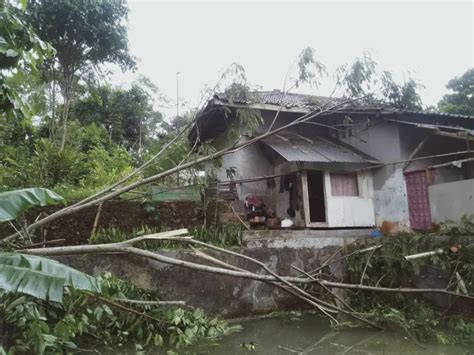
<point x="85" y="34"/>
<point x="62" y="124"/>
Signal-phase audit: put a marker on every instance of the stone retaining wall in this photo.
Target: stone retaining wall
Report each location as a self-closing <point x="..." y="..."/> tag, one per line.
<point x="217" y="294"/>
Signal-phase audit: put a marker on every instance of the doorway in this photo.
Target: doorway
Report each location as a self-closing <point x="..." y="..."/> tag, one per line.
<point x="317" y="203"/>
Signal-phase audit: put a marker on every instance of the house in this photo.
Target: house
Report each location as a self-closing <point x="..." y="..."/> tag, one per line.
<point x="356" y="165"/>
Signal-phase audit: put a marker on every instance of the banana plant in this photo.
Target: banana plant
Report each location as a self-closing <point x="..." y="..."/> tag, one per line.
<point x="41" y="277"/>
<point x="33" y="275"/>
<point x="14" y="203"/>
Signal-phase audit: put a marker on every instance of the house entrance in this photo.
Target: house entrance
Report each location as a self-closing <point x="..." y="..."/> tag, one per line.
<point x="317" y="205"/>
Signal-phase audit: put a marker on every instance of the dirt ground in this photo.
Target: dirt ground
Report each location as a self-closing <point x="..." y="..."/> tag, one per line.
<point x="124" y="215"/>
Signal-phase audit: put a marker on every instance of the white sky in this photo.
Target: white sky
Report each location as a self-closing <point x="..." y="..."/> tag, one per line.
<point x="433" y="41"/>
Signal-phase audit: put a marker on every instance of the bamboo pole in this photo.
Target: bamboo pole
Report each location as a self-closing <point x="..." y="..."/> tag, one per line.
<point x="415" y="159"/>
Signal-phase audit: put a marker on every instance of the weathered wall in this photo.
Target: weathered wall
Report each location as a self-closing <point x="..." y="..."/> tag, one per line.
<point x="252" y="162"/>
<point x="217" y="294"/>
<point x="382" y="141"/>
<point x="451" y="200"/>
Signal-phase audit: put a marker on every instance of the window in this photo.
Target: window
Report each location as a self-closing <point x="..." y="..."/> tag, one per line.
<point x="344" y="184"/>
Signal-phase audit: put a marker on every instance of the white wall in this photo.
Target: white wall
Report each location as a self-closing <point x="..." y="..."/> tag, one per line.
<point x="451" y="200"/>
<point x="350" y="211"/>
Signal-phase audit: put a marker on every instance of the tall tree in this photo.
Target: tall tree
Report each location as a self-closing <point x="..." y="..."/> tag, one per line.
<point x="128" y="115"/>
<point x="85" y="34"/>
<point x="461" y="101"/>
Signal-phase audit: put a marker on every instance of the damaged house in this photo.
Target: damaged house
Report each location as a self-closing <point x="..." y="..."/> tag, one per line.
<point x="355" y="166"/>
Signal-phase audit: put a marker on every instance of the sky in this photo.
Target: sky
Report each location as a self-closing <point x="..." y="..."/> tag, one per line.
<point x="430" y="41"/>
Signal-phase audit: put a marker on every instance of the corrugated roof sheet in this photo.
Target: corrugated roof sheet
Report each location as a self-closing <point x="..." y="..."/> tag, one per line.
<point x="296" y="148"/>
<point x="309" y="102"/>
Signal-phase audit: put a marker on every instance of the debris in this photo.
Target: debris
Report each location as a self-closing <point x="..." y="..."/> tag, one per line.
<point x="286" y="223"/>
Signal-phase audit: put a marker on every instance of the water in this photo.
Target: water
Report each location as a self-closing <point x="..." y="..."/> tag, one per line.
<point x="309" y="334"/>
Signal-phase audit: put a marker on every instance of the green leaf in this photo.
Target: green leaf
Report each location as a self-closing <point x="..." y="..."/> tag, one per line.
<point x="12" y="53"/>
<point x="158" y="340"/>
<point x="33" y="283"/>
<point x="41" y="277"/>
<point x="14" y="203"/>
<point x="23" y="4"/>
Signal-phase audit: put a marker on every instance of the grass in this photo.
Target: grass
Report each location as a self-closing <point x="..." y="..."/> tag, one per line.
<point x="225" y="236"/>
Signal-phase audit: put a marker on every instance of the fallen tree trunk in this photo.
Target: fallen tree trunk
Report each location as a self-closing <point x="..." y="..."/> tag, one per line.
<point x="127" y="247"/>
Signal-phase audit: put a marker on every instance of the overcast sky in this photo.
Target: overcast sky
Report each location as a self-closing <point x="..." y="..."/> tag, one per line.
<point x="433" y="41"/>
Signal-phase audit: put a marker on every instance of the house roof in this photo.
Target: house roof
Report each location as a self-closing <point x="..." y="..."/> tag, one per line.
<point x="294" y="148"/>
<point x="275" y="100"/>
<point x="311" y="102"/>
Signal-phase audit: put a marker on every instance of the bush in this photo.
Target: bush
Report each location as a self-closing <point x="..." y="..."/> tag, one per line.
<point x="89" y="321"/>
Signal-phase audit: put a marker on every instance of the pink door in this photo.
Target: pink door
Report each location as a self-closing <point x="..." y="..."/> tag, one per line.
<point x="418" y="200"/>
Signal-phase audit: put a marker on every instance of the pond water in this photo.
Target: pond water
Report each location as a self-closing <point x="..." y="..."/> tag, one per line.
<point x="310" y="334"/>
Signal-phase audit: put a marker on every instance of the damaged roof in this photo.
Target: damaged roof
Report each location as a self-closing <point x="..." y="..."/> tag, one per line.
<point x="276" y="97"/>
<point x="312" y="102"/>
<point x="210" y="120"/>
<point x="293" y="147"/>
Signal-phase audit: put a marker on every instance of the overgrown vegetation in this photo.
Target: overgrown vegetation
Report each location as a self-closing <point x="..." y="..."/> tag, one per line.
<point x="48" y="307"/>
<point x="223" y="236"/>
<point x="85" y="322"/>
<point x="386" y="266"/>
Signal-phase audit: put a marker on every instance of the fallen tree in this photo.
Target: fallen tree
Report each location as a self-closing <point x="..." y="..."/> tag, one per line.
<point x="329" y="303"/>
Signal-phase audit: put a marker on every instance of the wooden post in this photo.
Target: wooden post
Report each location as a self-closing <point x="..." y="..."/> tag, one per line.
<point x="304" y="183"/>
<point x="96" y="220"/>
<point x="415" y="152"/>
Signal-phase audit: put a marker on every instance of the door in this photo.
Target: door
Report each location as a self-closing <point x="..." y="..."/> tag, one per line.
<point x="418" y="200"/>
<point x="317" y="204"/>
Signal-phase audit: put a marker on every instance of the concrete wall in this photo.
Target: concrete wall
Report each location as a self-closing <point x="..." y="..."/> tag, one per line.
<point x="217" y="294"/>
<point x="451" y="200"/>
<point x="388" y="142"/>
<point x="252" y="161"/>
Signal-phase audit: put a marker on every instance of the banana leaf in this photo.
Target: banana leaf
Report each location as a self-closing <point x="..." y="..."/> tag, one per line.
<point x="41" y="277"/>
<point x="14" y="203"/>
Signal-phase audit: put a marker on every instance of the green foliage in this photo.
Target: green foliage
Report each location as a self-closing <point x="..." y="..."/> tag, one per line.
<point x="83" y="33"/>
<point x="248" y="119"/>
<point x="224" y="236"/>
<point x="127" y="115"/>
<point x="403" y="96"/>
<point x="387" y="267"/>
<point x="464" y="227"/>
<point x="461" y="101"/>
<point x="20" y="52"/>
<point x="357" y="78"/>
<point x="309" y="69"/>
<point x="104" y="168"/>
<point x="362" y="79"/>
<point x="84" y="163"/>
<point x="14" y="203"/>
<point x="40" y="277"/>
<point x="84" y="321"/>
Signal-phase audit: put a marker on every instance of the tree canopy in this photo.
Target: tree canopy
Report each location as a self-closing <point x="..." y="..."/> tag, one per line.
<point x="85" y="34"/>
<point x="461" y="101"/>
